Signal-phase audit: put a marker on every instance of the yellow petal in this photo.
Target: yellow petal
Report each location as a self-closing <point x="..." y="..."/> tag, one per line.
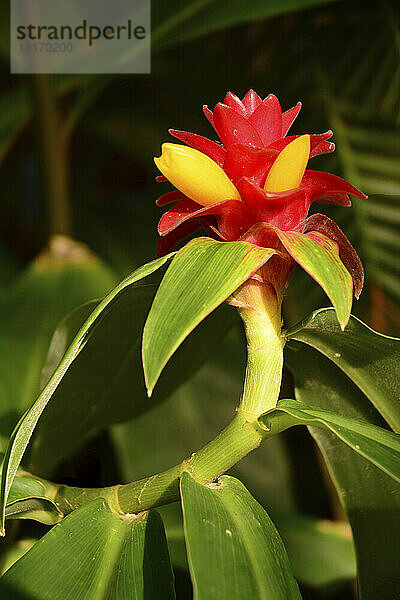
<point x="195" y="174"/>
<point x="288" y="169"/>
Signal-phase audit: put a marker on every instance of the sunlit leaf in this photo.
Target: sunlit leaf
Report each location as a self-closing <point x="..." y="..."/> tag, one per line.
<point x="376" y="444"/>
<point x="369" y="358"/>
<point x="234" y="550"/>
<point x="202" y="275"/>
<point x="319" y="257"/>
<point x="102" y="556"/>
<point x="370" y="497"/>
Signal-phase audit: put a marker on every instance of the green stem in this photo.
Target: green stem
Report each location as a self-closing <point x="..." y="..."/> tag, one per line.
<point x="238" y="439"/>
<point x="261" y="315"/>
<point x="260" y="310"/>
<point x="54" y="143"/>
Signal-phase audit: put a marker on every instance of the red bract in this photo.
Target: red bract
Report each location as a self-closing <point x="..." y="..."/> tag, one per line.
<point x="253" y="134"/>
<point x="252" y="122"/>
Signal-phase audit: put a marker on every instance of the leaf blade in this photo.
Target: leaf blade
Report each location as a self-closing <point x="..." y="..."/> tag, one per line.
<point x="234" y="549"/>
<point x="319" y="257"/>
<point x="379" y="446"/>
<point x="29" y="499"/>
<point x="375" y="371"/>
<point x="370" y="498"/>
<point x="103" y="557"/>
<point x="24" y="429"/>
<point x="219" y="268"/>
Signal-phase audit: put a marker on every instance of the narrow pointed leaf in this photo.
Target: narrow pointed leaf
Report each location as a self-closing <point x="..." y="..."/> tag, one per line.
<point x="370" y="497"/>
<point x="319" y="256"/>
<point x="109" y="374"/>
<point x="234" y="550"/>
<point x="370" y="359"/>
<point x="376" y="444"/>
<point x="23" y="431"/>
<point x="202" y="275"/>
<point x="95" y="555"/>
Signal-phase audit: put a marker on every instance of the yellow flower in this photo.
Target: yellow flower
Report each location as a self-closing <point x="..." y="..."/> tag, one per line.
<point x="288" y="169"/>
<point x="195" y="175"/>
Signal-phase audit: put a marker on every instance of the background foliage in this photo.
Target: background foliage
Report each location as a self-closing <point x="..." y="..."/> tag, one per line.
<point x="98" y="134"/>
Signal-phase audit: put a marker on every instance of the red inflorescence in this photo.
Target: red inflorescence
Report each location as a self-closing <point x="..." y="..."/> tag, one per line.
<point x="253" y="132"/>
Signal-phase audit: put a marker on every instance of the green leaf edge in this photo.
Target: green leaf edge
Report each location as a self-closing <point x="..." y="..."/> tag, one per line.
<point x="186" y="476"/>
<point x="291" y="332"/>
<point x="292" y="407"/>
<point x="269" y="252"/>
<point x="343" y="310"/>
<point x="33" y="414"/>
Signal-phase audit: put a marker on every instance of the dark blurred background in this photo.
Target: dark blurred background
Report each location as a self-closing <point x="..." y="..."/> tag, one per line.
<point x="76" y="159"/>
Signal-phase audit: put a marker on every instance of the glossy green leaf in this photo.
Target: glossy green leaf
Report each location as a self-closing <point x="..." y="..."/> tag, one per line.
<point x="23" y="432"/>
<point x="109" y="373"/>
<point x="319" y="257"/>
<point x="234" y="550"/>
<point x="377" y="445"/>
<point x="370" y="359"/>
<point x="370" y="497"/>
<point x="30" y="499"/>
<point x="321" y="552"/>
<point x="202" y="275"/>
<point x="95" y="555"/>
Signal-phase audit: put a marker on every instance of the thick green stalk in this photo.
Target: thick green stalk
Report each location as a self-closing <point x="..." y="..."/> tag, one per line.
<point x="238" y="439"/>
<point x="261" y="315"/>
<point x="260" y="310"/>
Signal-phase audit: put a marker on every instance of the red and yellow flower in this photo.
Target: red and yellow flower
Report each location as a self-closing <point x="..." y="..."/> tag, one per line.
<point x="254" y="185"/>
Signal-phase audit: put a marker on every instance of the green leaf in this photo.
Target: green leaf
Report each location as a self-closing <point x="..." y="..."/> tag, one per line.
<point x="110" y="373"/>
<point x="202" y="275"/>
<point x="23" y="432"/>
<point x="321" y="552"/>
<point x="60" y="279"/>
<point x="370" y="359"/>
<point x="234" y="550"/>
<point x="370" y="497"/>
<point x="377" y="445"/>
<point x="319" y="256"/>
<point x="30" y="499"/>
<point x="63" y="337"/>
<point x="94" y="554"/>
